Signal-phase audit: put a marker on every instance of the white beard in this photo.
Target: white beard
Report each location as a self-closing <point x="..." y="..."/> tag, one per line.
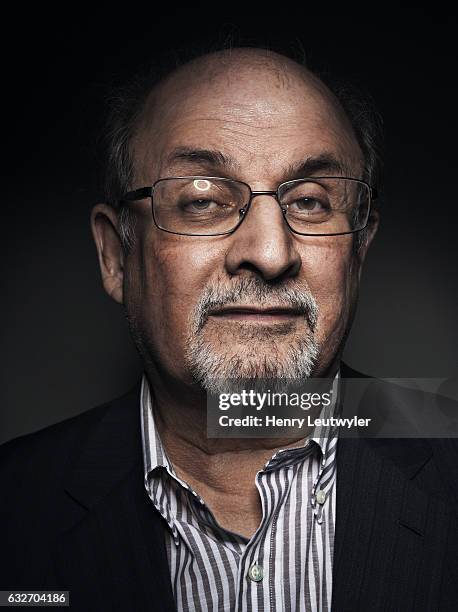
<point x="256" y="353"/>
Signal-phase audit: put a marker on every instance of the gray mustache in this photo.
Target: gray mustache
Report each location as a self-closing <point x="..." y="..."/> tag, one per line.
<point x="254" y="290"/>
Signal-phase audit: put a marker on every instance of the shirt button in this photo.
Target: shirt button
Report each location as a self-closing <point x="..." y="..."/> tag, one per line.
<point x="256" y="573"/>
<point x="320" y="496"/>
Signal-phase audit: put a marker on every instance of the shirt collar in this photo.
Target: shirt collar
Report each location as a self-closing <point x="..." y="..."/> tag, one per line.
<point x="319" y="438"/>
<point x="155" y="455"/>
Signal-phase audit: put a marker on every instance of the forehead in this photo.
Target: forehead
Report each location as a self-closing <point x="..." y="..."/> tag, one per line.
<point x="262" y="116"/>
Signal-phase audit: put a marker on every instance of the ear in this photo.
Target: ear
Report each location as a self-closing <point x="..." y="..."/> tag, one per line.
<point x="370" y="231"/>
<point x="105" y="230"/>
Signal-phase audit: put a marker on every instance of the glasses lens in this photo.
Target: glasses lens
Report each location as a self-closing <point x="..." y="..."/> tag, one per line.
<point x="325" y="205"/>
<point x="199" y="206"/>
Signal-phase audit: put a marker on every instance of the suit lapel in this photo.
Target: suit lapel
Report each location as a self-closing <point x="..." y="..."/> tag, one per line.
<point x="389" y="533"/>
<point x="115" y="557"/>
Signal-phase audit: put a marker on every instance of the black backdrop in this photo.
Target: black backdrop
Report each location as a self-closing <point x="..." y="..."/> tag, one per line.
<point x="65" y="346"/>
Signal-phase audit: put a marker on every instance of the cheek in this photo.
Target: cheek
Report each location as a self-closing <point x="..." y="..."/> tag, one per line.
<point x="329" y="271"/>
<point x="173" y="272"/>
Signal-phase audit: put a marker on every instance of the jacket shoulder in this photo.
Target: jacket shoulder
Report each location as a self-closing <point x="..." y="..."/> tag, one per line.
<point x="49" y="440"/>
<point x="34" y="505"/>
<point x="48" y="451"/>
<point x="348" y="372"/>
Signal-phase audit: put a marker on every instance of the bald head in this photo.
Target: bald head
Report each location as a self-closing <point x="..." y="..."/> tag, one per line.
<point x="253" y="100"/>
<point x="228" y="63"/>
<point x="265" y="80"/>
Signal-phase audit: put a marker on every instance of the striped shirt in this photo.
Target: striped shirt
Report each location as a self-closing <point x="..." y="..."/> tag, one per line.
<point x="286" y="564"/>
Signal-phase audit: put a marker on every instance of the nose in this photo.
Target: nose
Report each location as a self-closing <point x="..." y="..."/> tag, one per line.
<point x="263" y="243"/>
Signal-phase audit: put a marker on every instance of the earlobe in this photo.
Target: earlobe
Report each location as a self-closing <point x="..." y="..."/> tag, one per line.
<point x="105" y="231"/>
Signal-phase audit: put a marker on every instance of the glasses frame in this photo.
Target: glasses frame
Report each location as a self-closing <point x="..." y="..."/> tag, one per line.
<point x="148" y="192"/>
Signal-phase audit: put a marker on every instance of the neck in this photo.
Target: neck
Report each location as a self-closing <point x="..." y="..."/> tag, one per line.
<point x="181" y="421"/>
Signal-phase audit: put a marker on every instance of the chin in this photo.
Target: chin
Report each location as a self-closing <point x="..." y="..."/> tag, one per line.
<point x="217" y="365"/>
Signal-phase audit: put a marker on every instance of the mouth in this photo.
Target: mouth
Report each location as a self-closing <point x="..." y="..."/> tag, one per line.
<point x="255" y="314"/>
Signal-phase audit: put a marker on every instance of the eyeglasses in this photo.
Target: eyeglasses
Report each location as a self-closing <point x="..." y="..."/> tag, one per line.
<point x="214" y="206"/>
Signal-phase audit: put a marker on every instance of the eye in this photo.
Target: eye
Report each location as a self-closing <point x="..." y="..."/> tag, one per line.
<point x="307" y="205"/>
<point x="200" y="205"/>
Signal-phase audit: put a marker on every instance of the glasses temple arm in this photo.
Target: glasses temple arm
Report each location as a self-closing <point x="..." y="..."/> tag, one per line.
<point x="138" y="194"/>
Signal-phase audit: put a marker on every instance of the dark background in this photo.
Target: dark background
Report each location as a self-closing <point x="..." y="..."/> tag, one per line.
<point x="65" y="346"/>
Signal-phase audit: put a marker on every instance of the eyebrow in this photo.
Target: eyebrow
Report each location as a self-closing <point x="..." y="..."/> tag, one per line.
<point x="209" y="158"/>
<point x="326" y="162"/>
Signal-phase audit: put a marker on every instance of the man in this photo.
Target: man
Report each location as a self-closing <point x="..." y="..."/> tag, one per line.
<point x="242" y="206"/>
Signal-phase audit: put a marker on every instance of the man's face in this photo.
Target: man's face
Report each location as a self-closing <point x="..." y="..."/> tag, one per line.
<point x="263" y="301"/>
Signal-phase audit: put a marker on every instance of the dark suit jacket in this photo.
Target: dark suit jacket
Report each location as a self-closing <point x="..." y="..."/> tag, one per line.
<point x="74" y="515"/>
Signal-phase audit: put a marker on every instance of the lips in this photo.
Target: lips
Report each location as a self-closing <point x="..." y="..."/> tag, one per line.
<point x="255" y="312"/>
